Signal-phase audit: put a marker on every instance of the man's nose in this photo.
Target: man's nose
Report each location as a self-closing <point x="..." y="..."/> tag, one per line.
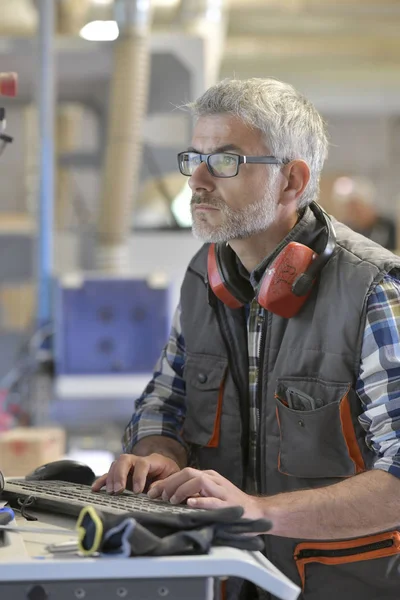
<point x="202" y="179"/>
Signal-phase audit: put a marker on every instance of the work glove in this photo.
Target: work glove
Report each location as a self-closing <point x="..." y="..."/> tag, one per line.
<point x="152" y="534"/>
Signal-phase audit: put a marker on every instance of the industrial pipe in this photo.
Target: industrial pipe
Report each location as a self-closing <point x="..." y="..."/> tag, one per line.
<point x="127" y="110"/>
<point x="208" y="20"/>
<point x="46" y="104"/>
<point x="70" y="15"/>
<point x="69" y="126"/>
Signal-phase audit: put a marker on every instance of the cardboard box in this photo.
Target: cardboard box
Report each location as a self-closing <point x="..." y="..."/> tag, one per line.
<point x="24" y="448"/>
<point x="17" y="303"/>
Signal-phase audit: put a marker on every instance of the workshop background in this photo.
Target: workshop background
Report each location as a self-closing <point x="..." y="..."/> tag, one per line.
<point x="94" y="215"/>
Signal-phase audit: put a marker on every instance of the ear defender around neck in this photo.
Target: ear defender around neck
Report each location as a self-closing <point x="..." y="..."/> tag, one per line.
<point x="285" y="284"/>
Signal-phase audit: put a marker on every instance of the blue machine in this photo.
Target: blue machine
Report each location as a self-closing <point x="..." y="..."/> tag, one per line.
<point x="106" y="326"/>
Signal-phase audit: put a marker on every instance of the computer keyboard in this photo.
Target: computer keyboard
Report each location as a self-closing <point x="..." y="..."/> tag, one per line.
<point x="70" y="498"/>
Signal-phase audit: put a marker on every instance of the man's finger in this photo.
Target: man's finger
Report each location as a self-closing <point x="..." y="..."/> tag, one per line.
<point x="207" y="503"/>
<point x="202" y="484"/>
<point x="166" y="486"/>
<point x="184" y="491"/>
<point x="139" y="477"/>
<point x="155" y="490"/>
<point x="99" y="483"/>
<point x="213" y="474"/>
<point x="120" y="472"/>
<point x="110" y="479"/>
<point x="170" y="484"/>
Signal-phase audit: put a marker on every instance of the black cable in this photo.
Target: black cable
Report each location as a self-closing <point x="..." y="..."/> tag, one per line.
<point x="24" y="503"/>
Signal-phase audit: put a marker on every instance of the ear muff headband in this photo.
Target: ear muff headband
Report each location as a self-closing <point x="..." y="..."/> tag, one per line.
<point x="224" y="278"/>
<point x="304" y="282"/>
<point x="286" y="282"/>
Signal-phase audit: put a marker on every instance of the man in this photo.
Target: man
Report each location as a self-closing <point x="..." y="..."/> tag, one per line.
<point x="356" y="201"/>
<point x="291" y="412"/>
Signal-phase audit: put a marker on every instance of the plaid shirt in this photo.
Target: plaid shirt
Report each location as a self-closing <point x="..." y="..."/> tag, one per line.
<point x="161" y="408"/>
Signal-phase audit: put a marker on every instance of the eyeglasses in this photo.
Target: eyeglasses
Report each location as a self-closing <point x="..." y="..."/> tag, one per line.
<point x="221" y="164"/>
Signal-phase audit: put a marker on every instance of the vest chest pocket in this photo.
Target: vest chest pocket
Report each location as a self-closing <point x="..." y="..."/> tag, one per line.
<point x="317" y="436"/>
<point x="204" y="378"/>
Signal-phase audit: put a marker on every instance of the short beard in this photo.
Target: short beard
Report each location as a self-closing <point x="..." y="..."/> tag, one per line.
<point x="237" y="224"/>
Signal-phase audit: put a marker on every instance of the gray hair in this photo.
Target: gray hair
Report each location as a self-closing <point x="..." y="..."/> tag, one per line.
<point x="291" y="124"/>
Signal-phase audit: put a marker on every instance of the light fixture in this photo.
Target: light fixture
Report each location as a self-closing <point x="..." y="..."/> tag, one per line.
<point x="100" y="31"/>
<point x="101" y="25"/>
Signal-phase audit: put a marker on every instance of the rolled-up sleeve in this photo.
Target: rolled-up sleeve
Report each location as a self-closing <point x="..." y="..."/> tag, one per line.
<point x="161" y="408"/>
<point x="378" y="384"/>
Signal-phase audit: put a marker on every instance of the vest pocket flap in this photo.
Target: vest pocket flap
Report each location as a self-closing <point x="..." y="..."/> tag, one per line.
<point x="204" y="379"/>
<point x="343" y="555"/>
<point x="204" y="372"/>
<point x="312" y="430"/>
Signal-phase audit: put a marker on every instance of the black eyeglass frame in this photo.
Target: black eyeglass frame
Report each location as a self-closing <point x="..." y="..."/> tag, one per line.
<point x="241" y="159"/>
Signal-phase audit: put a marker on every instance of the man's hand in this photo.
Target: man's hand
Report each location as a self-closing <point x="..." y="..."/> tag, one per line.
<point x="134" y="472"/>
<point x="205" y="489"/>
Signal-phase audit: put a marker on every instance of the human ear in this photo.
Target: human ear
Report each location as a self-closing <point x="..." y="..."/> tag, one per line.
<point x="297" y="176"/>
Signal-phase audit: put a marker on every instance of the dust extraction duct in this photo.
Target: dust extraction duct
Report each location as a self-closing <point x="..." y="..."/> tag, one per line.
<point x="127" y="109"/>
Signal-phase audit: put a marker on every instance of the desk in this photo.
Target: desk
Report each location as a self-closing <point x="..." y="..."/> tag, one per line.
<point x="29" y="571"/>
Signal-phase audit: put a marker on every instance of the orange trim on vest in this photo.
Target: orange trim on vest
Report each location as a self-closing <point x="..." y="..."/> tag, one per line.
<point x="281" y="400"/>
<point x="349" y="434"/>
<point x="223" y="589"/>
<point x="346" y="545"/>
<point x="214" y="440"/>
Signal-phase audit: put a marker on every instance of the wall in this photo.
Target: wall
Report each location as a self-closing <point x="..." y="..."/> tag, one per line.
<point x="364" y="145"/>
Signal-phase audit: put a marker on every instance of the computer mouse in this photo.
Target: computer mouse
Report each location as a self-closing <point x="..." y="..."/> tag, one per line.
<point x="63" y="470"/>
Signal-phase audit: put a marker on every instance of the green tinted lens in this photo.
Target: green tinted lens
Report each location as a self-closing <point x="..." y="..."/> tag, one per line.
<point x="188" y="162"/>
<point x="224" y="165"/>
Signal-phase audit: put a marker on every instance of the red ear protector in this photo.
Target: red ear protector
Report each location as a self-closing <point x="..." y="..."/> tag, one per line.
<point x="285" y="284"/>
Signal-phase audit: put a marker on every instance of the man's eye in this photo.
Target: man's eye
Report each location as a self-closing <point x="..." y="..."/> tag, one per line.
<point x="229" y="160"/>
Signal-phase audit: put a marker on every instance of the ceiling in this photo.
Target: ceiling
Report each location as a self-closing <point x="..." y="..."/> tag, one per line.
<point x="344" y="50"/>
<point x="288" y="33"/>
<point x="349" y="49"/>
<point x="358" y="37"/>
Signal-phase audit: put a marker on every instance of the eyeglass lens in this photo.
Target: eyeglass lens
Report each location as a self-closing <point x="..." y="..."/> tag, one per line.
<point x="189" y="161"/>
<point x="223" y="165"/>
<point x="220" y="164"/>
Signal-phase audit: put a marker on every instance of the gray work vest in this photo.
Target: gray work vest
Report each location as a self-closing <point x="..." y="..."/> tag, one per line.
<point x="314" y="354"/>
